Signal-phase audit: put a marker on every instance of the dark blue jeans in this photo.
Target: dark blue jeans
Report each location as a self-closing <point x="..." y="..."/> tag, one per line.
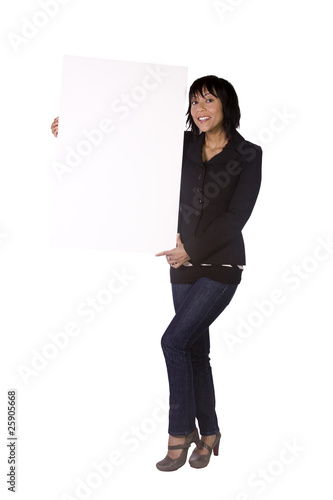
<point x="186" y="348"/>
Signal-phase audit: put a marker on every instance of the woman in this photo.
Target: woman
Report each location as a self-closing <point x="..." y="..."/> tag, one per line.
<point x="221" y="176"/>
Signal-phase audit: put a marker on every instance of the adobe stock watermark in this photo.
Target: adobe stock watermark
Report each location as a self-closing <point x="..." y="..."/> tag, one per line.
<point x="86" y="312"/>
<point x="130" y="440"/>
<point x="212" y="189"/>
<point x="121" y="108"/>
<point x="225" y="7"/>
<point x="217" y="181"/>
<point x="220" y="180"/>
<point x="30" y="28"/>
<point x="293" y="278"/>
<point x="269" y="473"/>
<point x="278" y="123"/>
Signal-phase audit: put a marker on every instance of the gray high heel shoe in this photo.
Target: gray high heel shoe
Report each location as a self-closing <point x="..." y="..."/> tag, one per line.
<point x="199" y="461"/>
<point x="170" y="464"/>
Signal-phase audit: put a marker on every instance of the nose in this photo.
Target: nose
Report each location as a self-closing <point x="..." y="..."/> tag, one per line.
<point x="201" y="106"/>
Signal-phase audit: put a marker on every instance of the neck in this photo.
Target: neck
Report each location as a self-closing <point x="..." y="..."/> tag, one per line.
<point x="215" y="140"/>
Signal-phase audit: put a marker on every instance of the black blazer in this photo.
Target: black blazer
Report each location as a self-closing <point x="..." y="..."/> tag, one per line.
<point x="217" y="198"/>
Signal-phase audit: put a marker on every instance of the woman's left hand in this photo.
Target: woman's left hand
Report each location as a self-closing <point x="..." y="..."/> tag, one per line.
<point x="177" y="256"/>
<point x="55" y="126"/>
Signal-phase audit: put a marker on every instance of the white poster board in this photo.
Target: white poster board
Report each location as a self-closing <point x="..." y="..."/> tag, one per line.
<point x="119" y="153"/>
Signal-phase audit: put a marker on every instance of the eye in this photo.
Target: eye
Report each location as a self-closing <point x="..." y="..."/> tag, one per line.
<point x="194" y="102"/>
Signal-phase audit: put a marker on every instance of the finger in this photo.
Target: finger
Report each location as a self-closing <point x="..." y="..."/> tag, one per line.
<point x="161" y="253"/>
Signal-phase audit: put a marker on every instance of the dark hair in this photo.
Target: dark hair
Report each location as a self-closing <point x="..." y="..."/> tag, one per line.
<point x="226" y="93"/>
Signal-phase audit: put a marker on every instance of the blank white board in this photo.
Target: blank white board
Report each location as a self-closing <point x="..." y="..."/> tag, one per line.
<point x="119" y="150"/>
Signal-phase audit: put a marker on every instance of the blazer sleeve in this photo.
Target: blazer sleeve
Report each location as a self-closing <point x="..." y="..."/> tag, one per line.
<point x="230" y="224"/>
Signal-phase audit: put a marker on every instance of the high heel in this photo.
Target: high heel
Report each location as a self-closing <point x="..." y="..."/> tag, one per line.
<point x="170" y="464"/>
<point x="198" y="461"/>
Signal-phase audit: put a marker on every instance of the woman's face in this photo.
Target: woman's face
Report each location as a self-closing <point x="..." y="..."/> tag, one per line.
<point x="207" y="112"/>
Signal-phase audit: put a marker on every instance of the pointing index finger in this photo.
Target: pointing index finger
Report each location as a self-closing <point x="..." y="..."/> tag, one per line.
<point x="161" y="253"/>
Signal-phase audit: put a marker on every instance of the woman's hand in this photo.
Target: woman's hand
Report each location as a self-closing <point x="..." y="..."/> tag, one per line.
<point x="54" y="126"/>
<point x="177" y="256"/>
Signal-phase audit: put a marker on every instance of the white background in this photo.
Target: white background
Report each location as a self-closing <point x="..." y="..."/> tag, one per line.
<point x="105" y="391"/>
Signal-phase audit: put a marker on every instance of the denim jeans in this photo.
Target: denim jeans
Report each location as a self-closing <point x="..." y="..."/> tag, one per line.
<point x="186" y="347"/>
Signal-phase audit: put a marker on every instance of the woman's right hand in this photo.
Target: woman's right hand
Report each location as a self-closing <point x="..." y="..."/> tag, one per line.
<point x="54" y="126"/>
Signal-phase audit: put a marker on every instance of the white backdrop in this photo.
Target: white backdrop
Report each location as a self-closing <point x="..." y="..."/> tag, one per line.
<point x="81" y="328"/>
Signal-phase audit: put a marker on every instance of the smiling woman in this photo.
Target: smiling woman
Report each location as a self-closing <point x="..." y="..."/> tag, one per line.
<point x="212" y="88"/>
<point x="207" y="114"/>
<point x="220" y="182"/>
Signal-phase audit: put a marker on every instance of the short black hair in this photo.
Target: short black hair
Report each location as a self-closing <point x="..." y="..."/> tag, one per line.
<point x="221" y="88"/>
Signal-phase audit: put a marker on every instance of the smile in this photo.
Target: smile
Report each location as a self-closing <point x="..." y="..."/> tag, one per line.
<point x="204" y="118"/>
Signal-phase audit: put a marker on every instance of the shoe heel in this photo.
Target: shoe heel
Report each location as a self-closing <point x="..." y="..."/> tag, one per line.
<point x="196" y="438"/>
<point x="216" y="447"/>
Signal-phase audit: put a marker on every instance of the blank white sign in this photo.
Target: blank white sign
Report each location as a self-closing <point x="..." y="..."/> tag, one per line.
<point x="119" y="150"/>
